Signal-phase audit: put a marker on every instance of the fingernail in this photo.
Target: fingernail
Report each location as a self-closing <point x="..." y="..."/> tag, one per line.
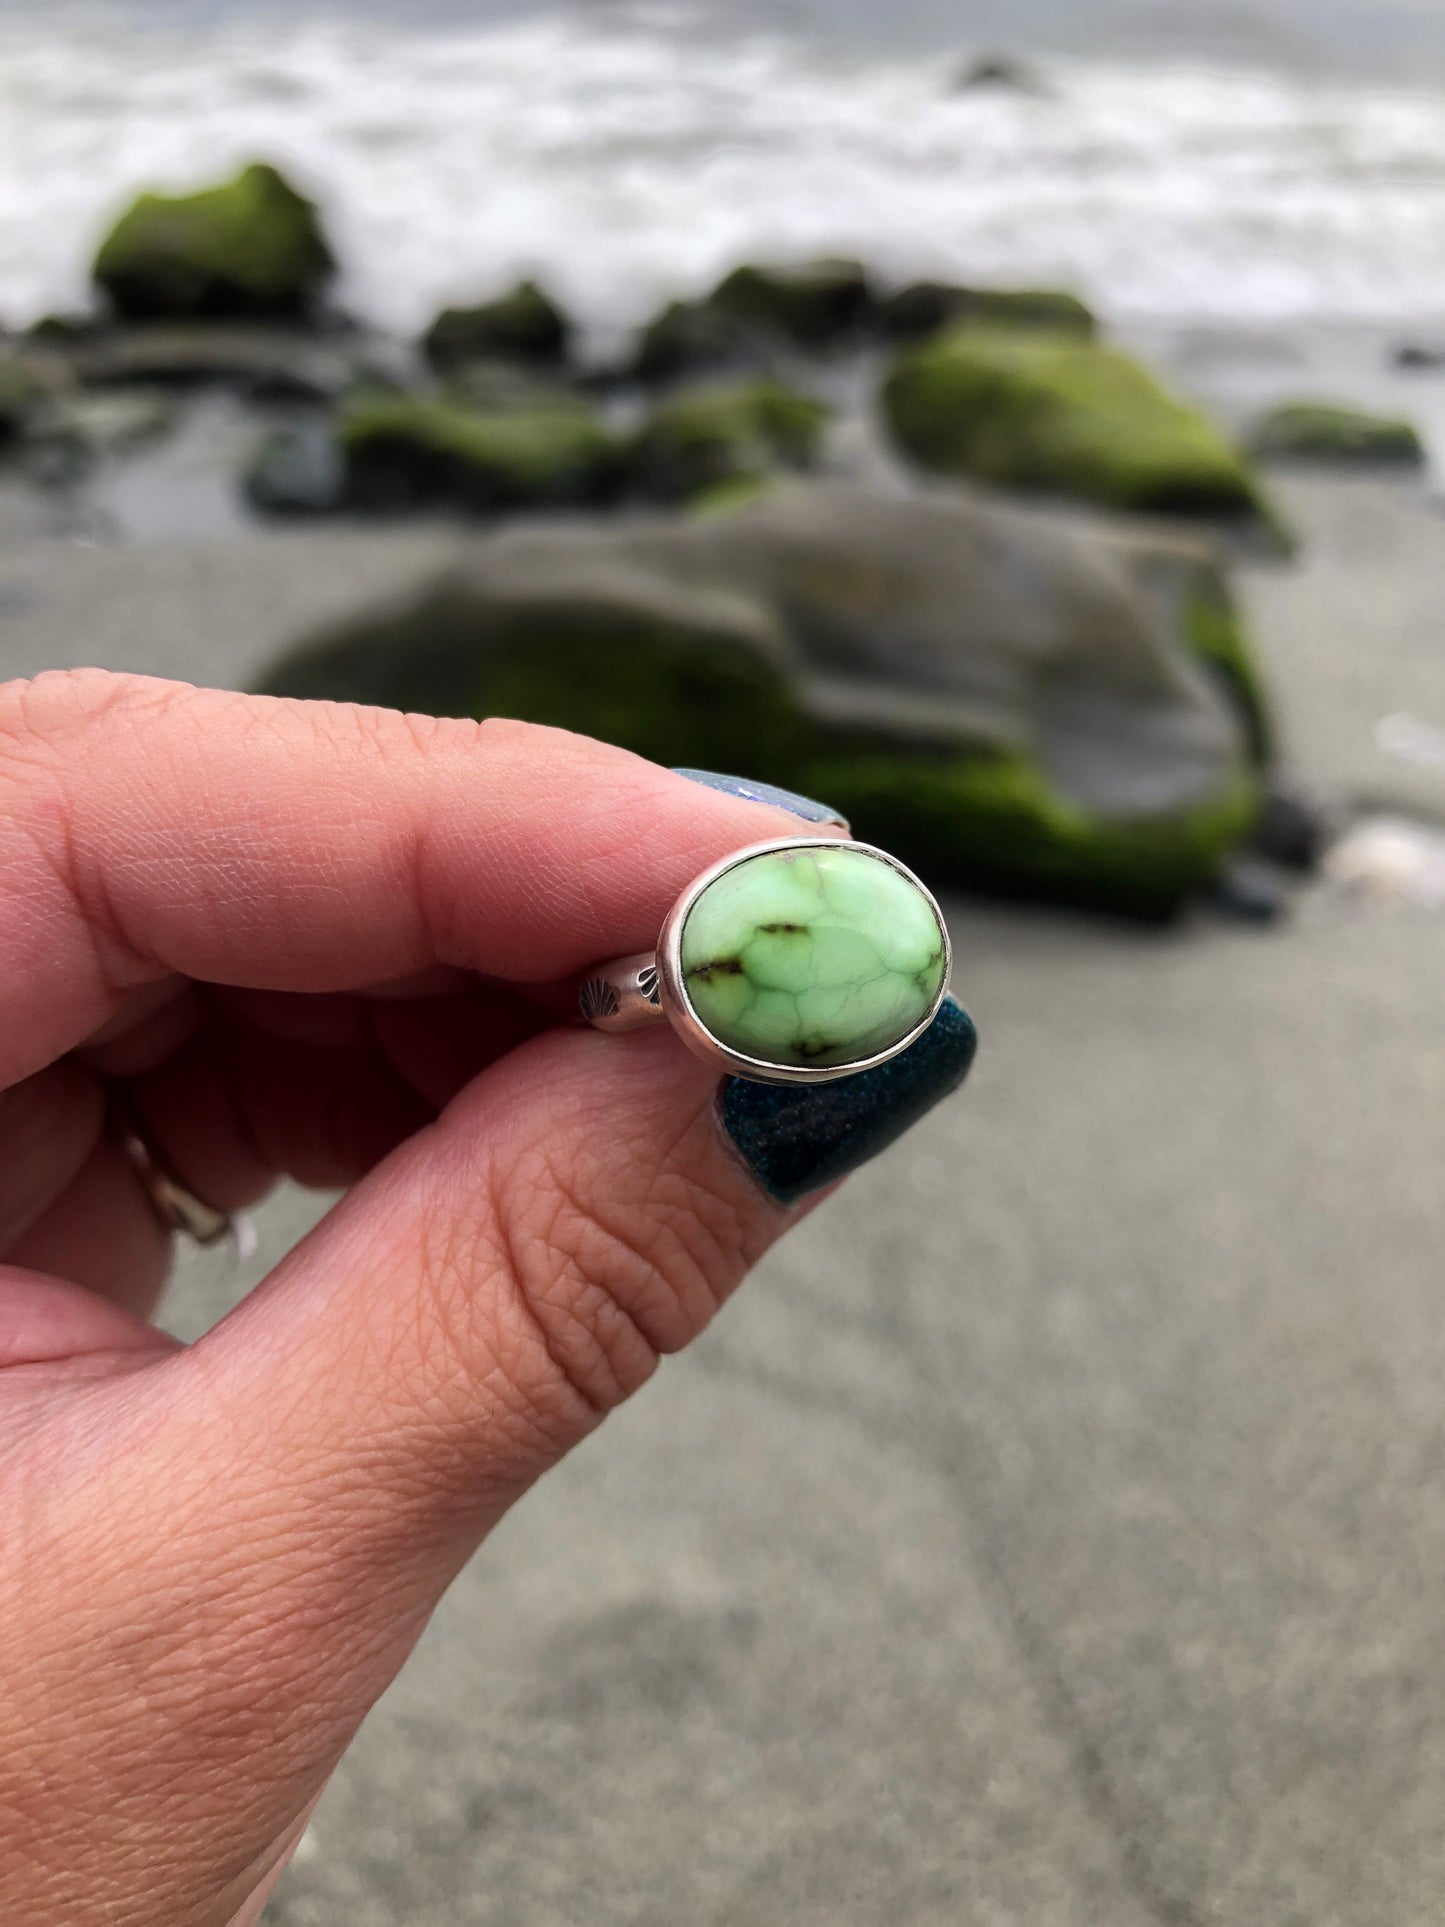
<point x="797" y="1138"/>
<point x="751" y="792"/>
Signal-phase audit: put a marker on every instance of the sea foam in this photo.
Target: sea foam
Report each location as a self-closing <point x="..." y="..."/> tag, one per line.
<point x="635" y="157"/>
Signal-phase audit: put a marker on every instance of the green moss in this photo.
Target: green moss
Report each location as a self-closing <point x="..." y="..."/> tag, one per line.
<point x="525" y="325"/>
<point x="817" y="304"/>
<point x="683" y="694"/>
<point x="727" y="496"/>
<point x="927" y="306"/>
<point x="986" y="821"/>
<point x="702" y="439"/>
<point x="251" y="248"/>
<point x="631" y="677"/>
<point x="405" y="452"/>
<point x="992" y="823"/>
<point x="1322" y="432"/>
<point x="1214" y="632"/>
<point x="61" y="330"/>
<point x="1047" y="415"/>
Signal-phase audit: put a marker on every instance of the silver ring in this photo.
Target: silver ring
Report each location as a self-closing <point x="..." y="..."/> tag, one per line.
<point x="177" y="1207"/>
<point x="667" y="985"/>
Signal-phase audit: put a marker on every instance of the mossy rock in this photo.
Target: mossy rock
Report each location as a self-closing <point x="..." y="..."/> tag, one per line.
<point x="403" y="452"/>
<point x="62" y="330"/>
<point x="1009" y="704"/>
<point x="1050" y="416"/>
<point x="525" y="325"/>
<point x="706" y="438"/>
<point x="814" y="306"/>
<point x="622" y="656"/>
<point x="1213" y="631"/>
<point x="996" y="824"/>
<point x="22" y="393"/>
<point x="1325" y="433"/>
<point x="726" y="497"/>
<point x="250" y="249"/>
<point x="692" y="338"/>
<point x="497" y="387"/>
<point x="926" y="306"/>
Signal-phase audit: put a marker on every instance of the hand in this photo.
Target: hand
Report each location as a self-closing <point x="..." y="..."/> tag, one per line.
<point x="330" y="943"/>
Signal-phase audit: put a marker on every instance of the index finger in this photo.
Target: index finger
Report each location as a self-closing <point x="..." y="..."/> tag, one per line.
<point x="150" y="828"/>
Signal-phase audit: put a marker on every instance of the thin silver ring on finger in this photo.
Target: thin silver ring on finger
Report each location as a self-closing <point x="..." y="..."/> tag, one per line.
<point x="174" y="1203"/>
<point x="793" y="962"/>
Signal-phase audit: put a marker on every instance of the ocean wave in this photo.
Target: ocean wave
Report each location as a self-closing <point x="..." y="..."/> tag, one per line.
<point x="631" y="158"/>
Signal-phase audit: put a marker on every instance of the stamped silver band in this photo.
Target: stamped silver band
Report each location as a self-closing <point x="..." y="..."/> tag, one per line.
<point x="637" y="992"/>
<point x="624" y="996"/>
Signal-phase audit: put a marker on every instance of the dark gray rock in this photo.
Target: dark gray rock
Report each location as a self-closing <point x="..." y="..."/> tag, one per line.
<point x="1015" y="699"/>
<point x="926" y="306"/>
<point x="298" y="470"/>
<point x="22" y="394"/>
<point x="525" y="326"/>
<point x="812" y="305"/>
<point x="263" y="363"/>
<point x="1294" y="828"/>
<point x="999" y="73"/>
<point x="1327" y="434"/>
<point x="252" y="248"/>
<point x="1248" y="891"/>
<point x="692" y="338"/>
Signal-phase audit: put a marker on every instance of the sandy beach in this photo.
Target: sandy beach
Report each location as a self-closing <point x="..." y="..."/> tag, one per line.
<point x="1054" y="1530"/>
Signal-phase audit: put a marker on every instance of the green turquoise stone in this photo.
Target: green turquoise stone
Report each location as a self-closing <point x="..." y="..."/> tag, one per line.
<point x="813" y="957"/>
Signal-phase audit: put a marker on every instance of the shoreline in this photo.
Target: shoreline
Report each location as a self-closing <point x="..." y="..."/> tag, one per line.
<point x="596" y="152"/>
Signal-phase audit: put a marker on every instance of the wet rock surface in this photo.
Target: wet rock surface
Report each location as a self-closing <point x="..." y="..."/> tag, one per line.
<point x="1001" y="694"/>
<point x="250" y="248"/>
<point x="525" y="325"/>
<point x="707" y="436"/>
<point x="1324" y="433"/>
<point x="1039" y="412"/>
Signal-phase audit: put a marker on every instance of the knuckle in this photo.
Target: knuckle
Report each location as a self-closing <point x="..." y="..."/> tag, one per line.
<point x="612" y="1274"/>
<point x="552" y="1298"/>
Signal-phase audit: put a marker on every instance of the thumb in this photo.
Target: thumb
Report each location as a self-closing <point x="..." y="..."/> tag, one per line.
<point x="320" y="1466"/>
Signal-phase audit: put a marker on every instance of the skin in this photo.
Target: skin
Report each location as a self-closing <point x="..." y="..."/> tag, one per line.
<point x="335" y="944"/>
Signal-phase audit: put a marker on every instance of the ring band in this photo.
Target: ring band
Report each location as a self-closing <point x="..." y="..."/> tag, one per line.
<point x="800" y="961"/>
<point x="177" y="1207"/>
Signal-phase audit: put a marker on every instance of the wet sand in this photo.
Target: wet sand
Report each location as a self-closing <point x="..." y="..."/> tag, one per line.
<point x="1054" y="1531"/>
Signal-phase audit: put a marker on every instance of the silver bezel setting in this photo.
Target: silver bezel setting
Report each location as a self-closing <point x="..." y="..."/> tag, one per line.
<point x="677" y="1006"/>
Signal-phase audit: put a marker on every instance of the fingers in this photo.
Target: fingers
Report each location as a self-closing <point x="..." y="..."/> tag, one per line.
<point x="45" y="1319"/>
<point x="267" y="1520"/>
<point x="316" y="1089"/>
<point x="149" y="829"/>
<point x="509" y="1275"/>
<point x="101" y="1232"/>
<point x="49" y="1126"/>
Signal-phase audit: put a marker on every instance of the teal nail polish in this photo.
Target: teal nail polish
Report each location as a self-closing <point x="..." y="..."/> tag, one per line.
<point x="797" y="1138"/>
<point x="804" y="806"/>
